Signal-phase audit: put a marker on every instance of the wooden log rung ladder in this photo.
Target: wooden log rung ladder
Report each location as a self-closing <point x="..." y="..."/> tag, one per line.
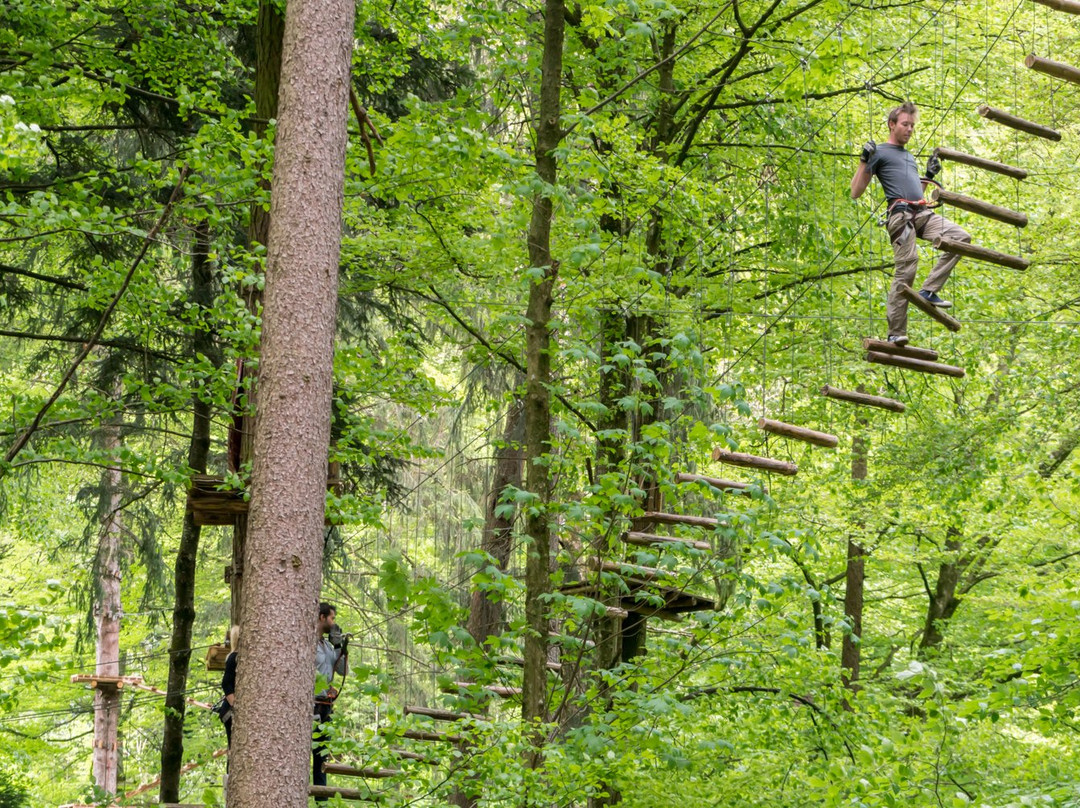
<point x="865" y="399"/>
<point x="981" y="162"/>
<point x="1068" y="6"/>
<point x="1048" y="67"/>
<point x="914" y="364"/>
<point x="910" y="351"/>
<point x="749" y="461"/>
<point x="1020" y="124"/>
<point x="977" y="206"/>
<point x="978" y="253"/>
<point x="810" y="436"/>
<point x="928" y="308"/>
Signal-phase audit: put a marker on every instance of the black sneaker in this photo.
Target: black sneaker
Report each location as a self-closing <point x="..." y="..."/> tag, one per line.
<point x="899" y="340"/>
<point x="932" y="298"/>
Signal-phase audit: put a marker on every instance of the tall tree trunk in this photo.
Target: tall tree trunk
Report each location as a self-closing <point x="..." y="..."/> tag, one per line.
<point x="486" y="615"/>
<point x="283" y="556"/>
<point x="851" y="651"/>
<point x="269" y="35"/>
<point x="538" y="374"/>
<point x="172" y="741"/>
<point x="943" y="600"/>
<point x="109" y="614"/>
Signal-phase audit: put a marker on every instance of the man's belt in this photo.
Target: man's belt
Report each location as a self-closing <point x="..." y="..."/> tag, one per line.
<point x="904" y="205"/>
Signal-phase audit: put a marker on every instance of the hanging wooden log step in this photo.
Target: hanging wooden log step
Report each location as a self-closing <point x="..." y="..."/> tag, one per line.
<point x="421" y="735"/>
<point x="405" y="754"/>
<point x="636" y="570"/>
<point x="1059" y="70"/>
<point x="799" y="433"/>
<point x="657" y="517"/>
<point x="981" y="162"/>
<point x="715" y="482"/>
<point x="972" y="205"/>
<point x="748" y="461"/>
<point x="354" y="794"/>
<point x="1013" y="122"/>
<point x="981" y="253"/>
<point x="914" y="364"/>
<point x="362" y="771"/>
<point x="651" y="540"/>
<point x="442" y="715"/>
<point x="520" y="663"/>
<point x="495" y="690"/>
<point x="929" y="309"/>
<point x="884" y="346"/>
<point x="1069" y="6"/>
<point x="863" y="398"/>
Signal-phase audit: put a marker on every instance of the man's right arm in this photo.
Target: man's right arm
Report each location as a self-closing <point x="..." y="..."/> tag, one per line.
<point x="860" y="181"/>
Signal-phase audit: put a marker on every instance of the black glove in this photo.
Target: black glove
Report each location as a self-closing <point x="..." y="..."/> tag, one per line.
<point x="933" y="166"/>
<point x="868" y="151"/>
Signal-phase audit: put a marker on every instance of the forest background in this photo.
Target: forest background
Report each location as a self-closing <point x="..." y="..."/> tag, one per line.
<point x="708" y="268"/>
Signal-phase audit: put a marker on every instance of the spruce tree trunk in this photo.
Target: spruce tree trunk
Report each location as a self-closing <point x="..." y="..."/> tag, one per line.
<point x="106" y="758"/>
<point x="172" y="741"/>
<point x="283" y="553"/>
<point x="538" y="375"/>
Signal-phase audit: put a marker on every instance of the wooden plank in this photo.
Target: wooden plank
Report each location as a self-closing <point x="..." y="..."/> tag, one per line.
<point x="799" y="433"/>
<point x="972" y="205"/>
<point x="715" y="482"/>
<point x="1020" y="124"/>
<point x="981" y="253"/>
<point x="863" y="398"/>
<point x="914" y="364"/>
<point x="355" y="794"/>
<point x="359" y="771"/>
<point x="929" y="309"/>
<point x="441" y="715"/>
<point x="649" y="539"/>
<point x="658" y="517"/>
<point x="754" y="462"/>
<point x="884" y="346"/>
<point x="1068" y="6"/>
<point x="981" y="162"/>
<point x="1048" y="67"/>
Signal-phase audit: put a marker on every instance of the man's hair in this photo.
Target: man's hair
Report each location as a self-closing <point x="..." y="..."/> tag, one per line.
<point x="325" y="609"/>
<point x="896" y="112"/>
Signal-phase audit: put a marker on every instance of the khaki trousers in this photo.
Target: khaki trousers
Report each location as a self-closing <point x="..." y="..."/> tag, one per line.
<point x="904" y="226"/>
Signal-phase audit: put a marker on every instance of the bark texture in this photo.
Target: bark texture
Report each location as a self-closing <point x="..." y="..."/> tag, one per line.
<point x="283" y="555"/>
<point x="538" y="371"/>
<point x="172" y="741"/>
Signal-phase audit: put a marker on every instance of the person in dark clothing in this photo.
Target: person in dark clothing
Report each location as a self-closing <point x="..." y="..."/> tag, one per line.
<point x="228" y="681"/>
<point x="908" y="216"/>
<point x="330" y="657"/>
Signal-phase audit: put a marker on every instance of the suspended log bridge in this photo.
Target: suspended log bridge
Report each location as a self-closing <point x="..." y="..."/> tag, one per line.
<point x="1013" y="122"/>
<point x="715" y="482"/>
<point x="981" y="162"/>
<point x="658" y="517"/>
<point x="354" y="794"/>
<point x="495" y="690"/>
<point x="748" y="461"/>
<point x="650" y="574"/>
<point x="981" y="253"/>
<point x="421" y="735"/>
<point x="345" y="770"/>
<point x="863" y="398"/>
<point x="1049" y="67"/>
<point x="972" y="205"/>
<point x="1068" y="6"/>
<point x="929" y="309"/>
<point x="799" y="433"/>
<point x="914" y="364"/>
<point x="441" y="715"/>
<point x="652" y="540"/>
<point x="884" y="346"/>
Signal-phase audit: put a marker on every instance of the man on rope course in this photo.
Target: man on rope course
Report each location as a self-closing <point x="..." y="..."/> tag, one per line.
<point x="331" y="656"/>
<point x="908" y="216"/>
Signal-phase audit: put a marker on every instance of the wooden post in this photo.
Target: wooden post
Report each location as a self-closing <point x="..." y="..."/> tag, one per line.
<point x="884" y="346"/>
<point x="980" y="162"/>
<point x="715" y="482"/>
<point x="914" y="364"/>
<point x="929" y="309"/>
<point x="799" y="433"/>
<point x="972" y="205"/>
<point x="981" y="253"/>
<point x="1069" y="6"/>
<point x="1058" y="70"/>
<point x="1013" y="122"/>
<point x="754" y="462"/>
<point x="863" y="398"/>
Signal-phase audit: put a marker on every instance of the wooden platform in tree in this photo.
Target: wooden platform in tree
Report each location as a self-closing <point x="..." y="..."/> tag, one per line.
<point x="674" y="600"/>
<point x="216" y="656"/>
<point x="211" y="503"/>
<point x="106" y="683"/>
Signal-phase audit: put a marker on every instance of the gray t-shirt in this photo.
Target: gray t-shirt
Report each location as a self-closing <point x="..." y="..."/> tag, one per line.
<point x="895" y="168"/>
